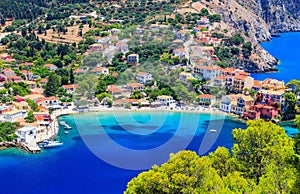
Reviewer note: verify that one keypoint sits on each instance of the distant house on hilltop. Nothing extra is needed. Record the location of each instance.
(133, 59)
(144, 77)
(101, 70)
(50, 67)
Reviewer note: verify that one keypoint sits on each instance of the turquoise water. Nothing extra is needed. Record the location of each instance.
(286, 49)
(74, 168)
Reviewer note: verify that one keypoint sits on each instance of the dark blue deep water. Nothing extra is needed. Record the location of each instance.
(74, 168)
(286, 49)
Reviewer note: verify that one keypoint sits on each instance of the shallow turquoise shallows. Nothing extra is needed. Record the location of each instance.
(74, 168)
(285, 48)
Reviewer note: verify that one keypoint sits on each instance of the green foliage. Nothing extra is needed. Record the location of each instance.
(33, 105)
(214, 18)
(236, 40)
(294, 85)
(261, 162)
(204, 12)
(290, 106)
(259, 147)
(136, 94)
(30, 117)
(7, 131)
(101, 96)
(178, 175)
(53, 85)
(20, 88)
(247, 49)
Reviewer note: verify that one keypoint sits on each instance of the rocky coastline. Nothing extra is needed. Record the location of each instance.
(5, 145)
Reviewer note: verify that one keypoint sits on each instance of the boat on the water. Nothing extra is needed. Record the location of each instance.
(66, 132)
(52, 144)
(213, 131)
(63, 123)
(67, 127)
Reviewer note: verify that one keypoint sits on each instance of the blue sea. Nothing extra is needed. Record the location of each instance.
(286, 49)
(88, 161)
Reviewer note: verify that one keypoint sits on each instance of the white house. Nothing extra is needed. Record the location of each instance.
(207, 99)
(50, 67)
(13, 115)
(101, 70)
(123, 47)
(208, 72)
(144, 78)
(180, 52)
(166, 100)
(26, 134)
(185, 76)
(228, 102)
(133, 58)
(71, 88)
(48, 101)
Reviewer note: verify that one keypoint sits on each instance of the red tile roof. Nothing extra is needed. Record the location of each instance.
(207, 96)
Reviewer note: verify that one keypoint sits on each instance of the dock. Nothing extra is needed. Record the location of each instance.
(31, 147)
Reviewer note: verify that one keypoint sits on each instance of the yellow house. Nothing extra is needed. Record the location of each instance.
(20, 105)
(240, 82)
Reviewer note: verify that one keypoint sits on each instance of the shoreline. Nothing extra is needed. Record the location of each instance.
(190, 110)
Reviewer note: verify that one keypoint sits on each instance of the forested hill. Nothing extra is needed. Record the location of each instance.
(30, 9)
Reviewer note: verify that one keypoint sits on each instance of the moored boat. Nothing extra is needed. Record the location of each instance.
(52, 144)
(213, 131)
(67, 127)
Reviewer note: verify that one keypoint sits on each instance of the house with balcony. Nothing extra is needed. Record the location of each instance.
(229, 102)
(261, 111)
(13, 115)
(123, 47)
(115, 91)
(8, 72)
(179, 52)
(71, 88)
(185, 77)
(26, 134)
(51, 67)
(31, 84)
(27, 74)
(240, 82)
(48, 101)
(144, 77)
(133, 59)
(273, 85)
(208, 72)
(23, 105)
(166, 100)
(206, 99)
(269, 96)
(135, 86)
(219, 81)
(243, 104)
(101, 71)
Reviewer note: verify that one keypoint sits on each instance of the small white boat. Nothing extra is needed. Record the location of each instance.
(63, 123)
(67, 127)
(52, 144)
(66, 132)
(213, 131)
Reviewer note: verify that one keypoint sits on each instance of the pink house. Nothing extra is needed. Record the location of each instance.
(262, 111)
